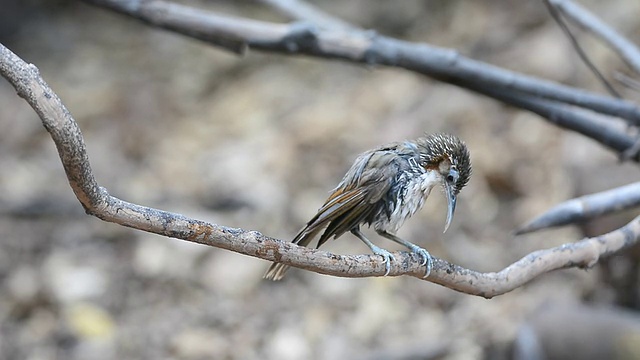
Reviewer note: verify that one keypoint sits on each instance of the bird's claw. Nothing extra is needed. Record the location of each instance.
(429, 266)
(387, 257)
(426, 259)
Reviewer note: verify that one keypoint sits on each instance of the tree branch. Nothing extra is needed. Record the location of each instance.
(97, 202)
(363, 47)
(586, 207)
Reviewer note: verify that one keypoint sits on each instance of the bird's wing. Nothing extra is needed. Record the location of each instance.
(337, 206)
(368, 168)
(351, 203)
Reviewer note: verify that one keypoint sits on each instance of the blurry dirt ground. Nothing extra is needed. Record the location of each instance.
(257, 142)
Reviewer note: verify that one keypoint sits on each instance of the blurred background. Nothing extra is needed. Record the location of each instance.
(257, 142)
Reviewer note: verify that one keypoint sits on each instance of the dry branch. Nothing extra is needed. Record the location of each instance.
(586, 207)
(365, 47)
(97, 202)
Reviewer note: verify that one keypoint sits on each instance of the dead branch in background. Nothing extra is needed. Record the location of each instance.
(367, 47)
(585, 208)
(578, 110)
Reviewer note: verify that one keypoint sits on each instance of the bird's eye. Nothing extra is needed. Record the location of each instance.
(452, 176)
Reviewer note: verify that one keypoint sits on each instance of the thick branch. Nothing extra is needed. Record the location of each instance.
(66, 134)
(586, 207)
(362, 47)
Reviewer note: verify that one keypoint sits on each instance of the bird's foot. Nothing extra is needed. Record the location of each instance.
(426, 258)
(386, 255)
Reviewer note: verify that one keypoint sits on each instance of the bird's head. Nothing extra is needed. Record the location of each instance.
(448, 157)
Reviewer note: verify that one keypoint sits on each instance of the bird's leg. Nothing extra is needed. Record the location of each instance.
(426, 257)
(376, 250)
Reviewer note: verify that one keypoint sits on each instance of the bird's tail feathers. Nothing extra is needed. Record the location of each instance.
(277, 270)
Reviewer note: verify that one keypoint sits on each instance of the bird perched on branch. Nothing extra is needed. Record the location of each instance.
(383, 188)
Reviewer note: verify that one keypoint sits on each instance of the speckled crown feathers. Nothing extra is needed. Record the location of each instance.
(435, 147)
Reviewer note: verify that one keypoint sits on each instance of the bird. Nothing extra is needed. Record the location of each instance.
(383, 188)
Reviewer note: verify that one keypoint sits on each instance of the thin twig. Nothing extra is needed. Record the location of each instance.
(627, 81)
(581, 53)
(363, 47)
(97, 202)
(627, 50)
(586, 207)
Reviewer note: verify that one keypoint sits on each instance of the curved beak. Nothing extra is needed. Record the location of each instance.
(451, 202)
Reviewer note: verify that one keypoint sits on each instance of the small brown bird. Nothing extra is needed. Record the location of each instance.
(383, 188)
